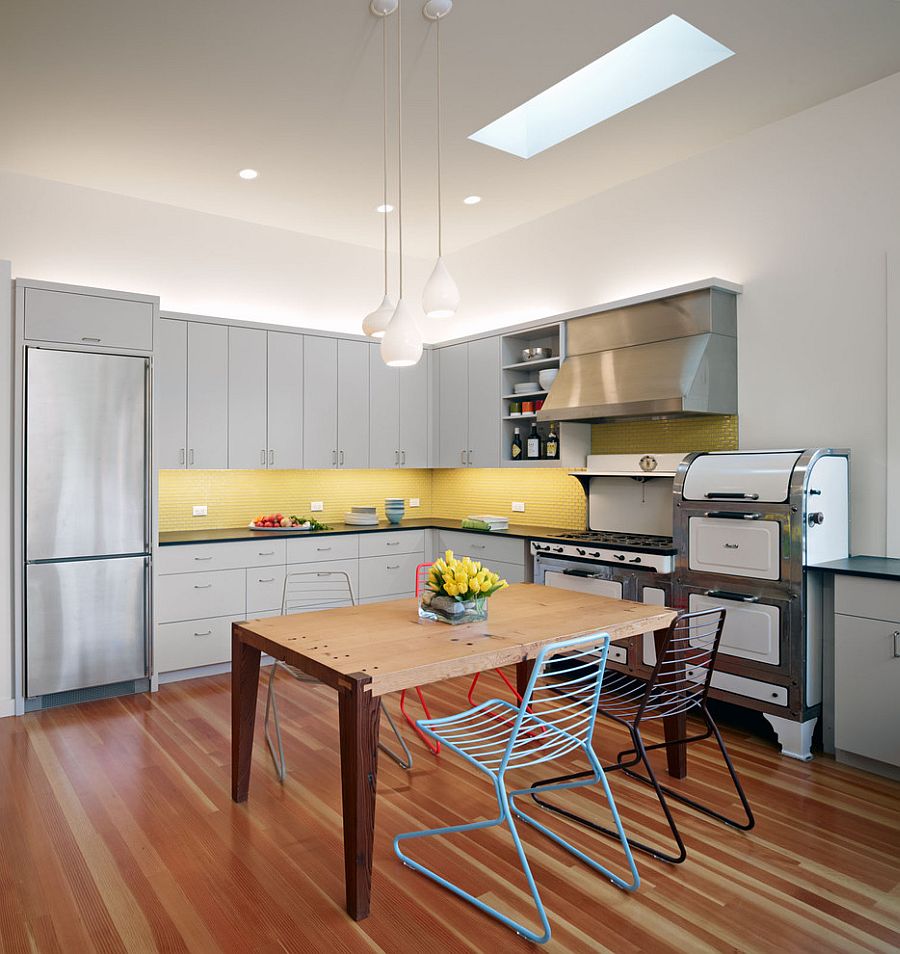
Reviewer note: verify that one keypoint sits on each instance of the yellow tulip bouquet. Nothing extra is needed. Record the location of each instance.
(457, 590)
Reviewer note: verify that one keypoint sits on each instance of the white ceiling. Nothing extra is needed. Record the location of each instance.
(167, 100)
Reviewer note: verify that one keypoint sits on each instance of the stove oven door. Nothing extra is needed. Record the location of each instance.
(736, 543)
(756, 637)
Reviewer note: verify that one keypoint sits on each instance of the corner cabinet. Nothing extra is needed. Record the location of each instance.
(399, 410)
(468, 385)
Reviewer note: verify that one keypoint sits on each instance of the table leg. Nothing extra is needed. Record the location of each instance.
(523, 674)
(359, 712)
(244, 688)
(674, 727)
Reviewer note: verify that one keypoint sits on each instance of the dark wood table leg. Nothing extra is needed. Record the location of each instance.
(674, 727)
(359, 712)
(244, 689)
(523, 674)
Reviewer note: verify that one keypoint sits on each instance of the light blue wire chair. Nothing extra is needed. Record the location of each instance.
(555, 718)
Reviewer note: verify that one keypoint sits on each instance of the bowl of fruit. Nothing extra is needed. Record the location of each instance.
(278, 521)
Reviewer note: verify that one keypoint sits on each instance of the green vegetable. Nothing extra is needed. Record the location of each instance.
(313, 523)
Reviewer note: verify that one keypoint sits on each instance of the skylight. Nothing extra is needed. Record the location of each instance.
(664, 55)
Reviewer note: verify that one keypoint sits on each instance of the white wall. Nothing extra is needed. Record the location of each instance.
(804, 213)
(7, 341)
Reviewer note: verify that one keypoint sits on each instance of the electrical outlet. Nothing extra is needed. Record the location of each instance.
(316, 506)
(518, 506)
(199, 511)
(413, 502)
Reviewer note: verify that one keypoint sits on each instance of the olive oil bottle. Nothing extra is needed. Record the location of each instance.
(516, 449)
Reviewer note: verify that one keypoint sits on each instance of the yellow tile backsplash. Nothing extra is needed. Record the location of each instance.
(552, 498)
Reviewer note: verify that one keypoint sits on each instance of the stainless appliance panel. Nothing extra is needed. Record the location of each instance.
(86, 455)
(86, 623)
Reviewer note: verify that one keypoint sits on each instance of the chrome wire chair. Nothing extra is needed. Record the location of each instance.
(556, 718)
(303, 592)
(679, 684)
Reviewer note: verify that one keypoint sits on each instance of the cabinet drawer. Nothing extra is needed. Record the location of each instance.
(201, 595)
(398, 541)
(392, 575)
(265, 587)
(88, 319)
(302, 575)
(483, 547)
(317, 549)
(735, 547)
(201, 642)
(235, 555)
(863, 596)
(751, 630)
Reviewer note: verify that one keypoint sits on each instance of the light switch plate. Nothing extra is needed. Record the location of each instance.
(199, 511)
(316, 506)
(413, 502)
(518, 506)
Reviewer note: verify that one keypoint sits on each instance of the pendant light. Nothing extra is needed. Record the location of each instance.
(376, 322)
(401, 345)
(440, 298)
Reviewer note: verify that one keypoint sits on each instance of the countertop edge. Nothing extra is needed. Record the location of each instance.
(876, 567)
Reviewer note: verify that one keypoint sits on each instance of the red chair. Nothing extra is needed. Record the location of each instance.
(435, 747)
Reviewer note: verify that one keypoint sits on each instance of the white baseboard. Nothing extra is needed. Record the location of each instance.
(199, 672)
(7, 708)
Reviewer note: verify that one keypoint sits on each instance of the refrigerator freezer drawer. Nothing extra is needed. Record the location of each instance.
(88, 319)
(85, 624)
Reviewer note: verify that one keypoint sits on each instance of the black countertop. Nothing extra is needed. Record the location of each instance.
(518, 531)
(882, 568)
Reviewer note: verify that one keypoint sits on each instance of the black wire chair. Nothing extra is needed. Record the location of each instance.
(686, 659)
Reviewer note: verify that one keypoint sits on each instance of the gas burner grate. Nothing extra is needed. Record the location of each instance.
(599, 538)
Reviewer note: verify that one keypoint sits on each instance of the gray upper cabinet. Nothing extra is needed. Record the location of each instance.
(170, 394)
(207, 395)
(414, 413)
(353, 403)
(453, 388)
(484, 391)
(53, 315)
(384, 411)
(468, 392)
(247, 394)
(320, 405)
(285, 400)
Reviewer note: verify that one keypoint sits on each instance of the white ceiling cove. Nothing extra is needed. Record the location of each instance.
(166, 101)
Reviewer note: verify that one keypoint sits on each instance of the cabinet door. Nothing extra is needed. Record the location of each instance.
(453, 409)
(414, 414)
(484, 403)
(384, 411)
(319, 402)
(353, 403)
(170, 394)
(246, 399)
(207, 395)
(285, 400)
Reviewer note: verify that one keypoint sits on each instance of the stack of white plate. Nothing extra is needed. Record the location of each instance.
(526, 387)
(495, 522)
(361, 517)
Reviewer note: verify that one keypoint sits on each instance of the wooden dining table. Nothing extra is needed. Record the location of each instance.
(365, 652)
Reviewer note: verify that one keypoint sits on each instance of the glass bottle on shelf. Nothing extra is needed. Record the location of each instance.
(516, 449)
(551, 448)
(533, 444)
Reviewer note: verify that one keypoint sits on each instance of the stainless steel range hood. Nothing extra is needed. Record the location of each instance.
(671, 357)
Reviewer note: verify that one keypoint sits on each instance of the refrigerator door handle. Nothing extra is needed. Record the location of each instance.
(148, 617)
(148, 456)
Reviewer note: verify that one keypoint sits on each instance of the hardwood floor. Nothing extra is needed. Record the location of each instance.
(119, 835)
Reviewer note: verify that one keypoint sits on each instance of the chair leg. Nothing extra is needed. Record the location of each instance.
(712, 730)
(640, 756)
(275, 750)
(406, 760)
(433, 747)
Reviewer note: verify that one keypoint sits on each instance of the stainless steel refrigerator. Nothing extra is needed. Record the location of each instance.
(87, 520)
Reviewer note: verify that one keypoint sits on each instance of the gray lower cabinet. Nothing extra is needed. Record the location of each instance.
(867, 668)
(284, 381)
(468, 388)
(207, 395)
(170, 394)
(247, 398)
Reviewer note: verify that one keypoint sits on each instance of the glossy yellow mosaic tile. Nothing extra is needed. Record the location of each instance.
(235, 497)
(552, 498)
(701, 433)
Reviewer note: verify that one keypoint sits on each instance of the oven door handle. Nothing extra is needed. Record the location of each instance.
(733, 515)
(722, 495)
(728, 595)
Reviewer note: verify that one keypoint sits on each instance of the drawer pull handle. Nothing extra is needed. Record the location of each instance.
(396, 543)
(479, 546)
(394, 566)
(205, 586)
(732, 515)
(268, 579)
(201, 559)
(92, 340)
(721, 495)
(267, 553)
(897, 643)
(727, 595)
(207, 633)
(322, 549)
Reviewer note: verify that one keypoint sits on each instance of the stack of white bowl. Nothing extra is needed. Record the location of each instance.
(394, 508)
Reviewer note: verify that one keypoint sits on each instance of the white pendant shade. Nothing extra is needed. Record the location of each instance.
(376, 322)
(440, 299)
(401, 345)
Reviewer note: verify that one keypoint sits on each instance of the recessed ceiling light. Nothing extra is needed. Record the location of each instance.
(472, 199)
(248, 173)
(664, 55)
(384, 208)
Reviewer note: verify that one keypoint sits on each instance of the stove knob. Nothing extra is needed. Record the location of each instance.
(815, 518)
(596, 553)
(618, 556)
(557, 549)
(580, 551)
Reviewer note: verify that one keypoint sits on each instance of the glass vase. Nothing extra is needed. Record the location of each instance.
(445, 609)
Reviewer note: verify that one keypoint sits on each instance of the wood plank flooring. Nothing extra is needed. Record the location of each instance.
(118, 835)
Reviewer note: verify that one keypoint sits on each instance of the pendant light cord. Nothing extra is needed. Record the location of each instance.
(400, 142)
(439, 201)
(384, 157)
